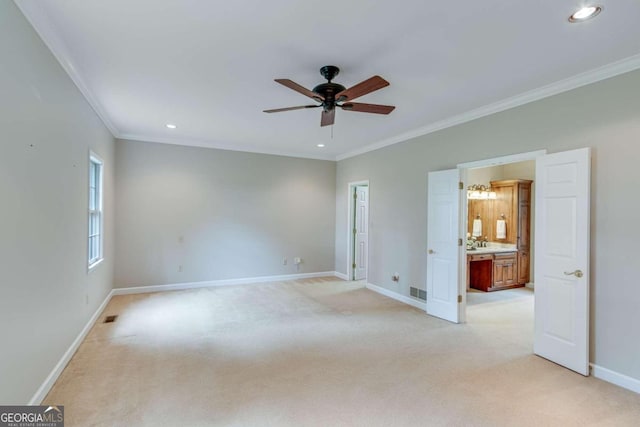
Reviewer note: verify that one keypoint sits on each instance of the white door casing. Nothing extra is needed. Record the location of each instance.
(562, 258)
(362, 232)
(442, 244)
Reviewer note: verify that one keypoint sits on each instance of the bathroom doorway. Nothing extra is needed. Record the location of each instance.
(499, 220)
(561, 311)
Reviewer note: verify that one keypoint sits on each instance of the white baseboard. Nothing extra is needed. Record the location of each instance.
(616, 378)
(66, 357)
(396, 296)
(216, 283)
(340, 275)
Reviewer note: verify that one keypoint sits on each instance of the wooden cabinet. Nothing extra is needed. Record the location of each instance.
(524, 266)
(492, 271)
(480, 271)
(504, 270)
(513, 204)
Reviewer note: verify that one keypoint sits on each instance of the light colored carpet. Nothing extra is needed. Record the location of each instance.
(322, 352)
(475, 297)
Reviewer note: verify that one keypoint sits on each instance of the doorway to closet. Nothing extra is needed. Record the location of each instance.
(358, 230)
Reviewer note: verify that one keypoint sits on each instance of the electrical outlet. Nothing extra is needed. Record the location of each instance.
(297, 260)
(284, 261)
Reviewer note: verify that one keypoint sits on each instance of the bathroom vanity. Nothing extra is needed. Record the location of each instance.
(492, 269)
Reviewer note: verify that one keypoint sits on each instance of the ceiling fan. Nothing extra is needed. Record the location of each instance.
(333, 95)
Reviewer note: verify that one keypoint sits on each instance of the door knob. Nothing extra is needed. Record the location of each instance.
(431, 251)
(577, 273)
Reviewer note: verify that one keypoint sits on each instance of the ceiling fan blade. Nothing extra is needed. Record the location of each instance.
(367, 108)
(301, 107)
(372, 84)
(328, 117)
(300, 89)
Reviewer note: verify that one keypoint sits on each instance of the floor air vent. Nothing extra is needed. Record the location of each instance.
(110, 319)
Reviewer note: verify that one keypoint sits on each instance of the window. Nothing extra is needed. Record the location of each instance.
(95, 211)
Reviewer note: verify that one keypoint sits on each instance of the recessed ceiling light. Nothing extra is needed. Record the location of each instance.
(321, 145)
(585, 13)
(170, 126)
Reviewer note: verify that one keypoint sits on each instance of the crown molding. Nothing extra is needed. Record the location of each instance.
(38, 19)
(223, 146)
(602, 73)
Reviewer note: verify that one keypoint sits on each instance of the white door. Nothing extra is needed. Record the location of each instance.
(362, 232)
(442, 244)
(562, 259)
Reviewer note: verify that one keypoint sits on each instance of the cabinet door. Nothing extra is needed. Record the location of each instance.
(498, 273)
(509, 272)
(524, 215)
(523, 267)
(504, 270)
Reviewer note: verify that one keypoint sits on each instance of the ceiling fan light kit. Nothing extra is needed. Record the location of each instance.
(332, 95)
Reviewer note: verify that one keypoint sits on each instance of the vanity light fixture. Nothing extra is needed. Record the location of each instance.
(170, 126)
(480, 192)
(585, 13)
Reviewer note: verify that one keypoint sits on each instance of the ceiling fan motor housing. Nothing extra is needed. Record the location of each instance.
(328, 91)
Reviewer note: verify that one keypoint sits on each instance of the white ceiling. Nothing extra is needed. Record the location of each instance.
(208, 66)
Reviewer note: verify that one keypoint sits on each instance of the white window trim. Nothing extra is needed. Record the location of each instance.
(94, 158)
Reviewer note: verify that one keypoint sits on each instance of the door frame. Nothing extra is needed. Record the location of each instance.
(464, 167)
(350, 225)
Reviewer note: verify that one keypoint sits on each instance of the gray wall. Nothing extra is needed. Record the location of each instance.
(518, 170)
(604, 116)
(46, 294)
(219, 214)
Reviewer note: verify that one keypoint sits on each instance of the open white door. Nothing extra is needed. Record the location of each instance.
(442, 244)
(362, 232)
(562, 258)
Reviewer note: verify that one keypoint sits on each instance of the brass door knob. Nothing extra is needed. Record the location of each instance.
(431, 251)
(577, 273)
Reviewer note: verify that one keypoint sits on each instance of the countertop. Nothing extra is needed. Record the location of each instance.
(490, 250)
